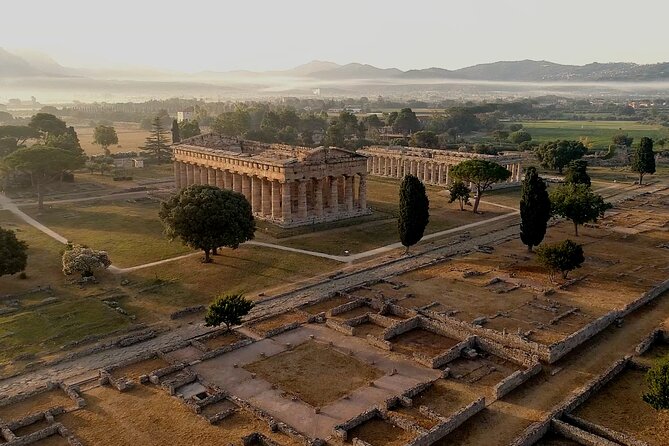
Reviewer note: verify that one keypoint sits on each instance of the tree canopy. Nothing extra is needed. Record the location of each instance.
(414, 213)
(43, 164)
(425, 138)
(577, 172)
(105, 136)
(480, 173)
(520, 136)
(556, 155)
(84, 260)
(657, 381)
(459, 191)
(577, 202)
(188, 129)
(535, 209)
(48, 124)
(13, 253)
(564, 256)
(156, 142)
(643, 159)
(206, 217)
(227, 309)
(406, 122)
(21, 133)
(622, 139)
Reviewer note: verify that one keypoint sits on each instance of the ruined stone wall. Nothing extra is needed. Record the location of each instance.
(603, 432)
(284, 328)
(453, 422)
(341, 328)
(515, 379)
(442, 359)
(401, 327)
(343, 308)
(648, 341)
(341, 430)
(579, 435)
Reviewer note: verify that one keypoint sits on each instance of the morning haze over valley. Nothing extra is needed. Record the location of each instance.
(334, 224)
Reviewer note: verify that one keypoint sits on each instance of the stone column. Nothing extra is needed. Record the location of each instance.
(302, 200)
(348, 193)
(426, 173)
(256, 194)
(362, 192)
(286, 200)
(183, 175)
(266, 197)
(189, 175)
(237, 182)
(220, 182)
(318, 191)
(334, 195)
(519, 172)
(227, 179)
(177, 175)
(196, 174)
(211, 176)
(246, 187)
(434, 172)
(204, 175)
(370, 164)
(276, 200)
(448, 168)
(440, 168)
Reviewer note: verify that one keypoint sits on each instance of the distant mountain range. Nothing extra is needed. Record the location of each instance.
(31, 64)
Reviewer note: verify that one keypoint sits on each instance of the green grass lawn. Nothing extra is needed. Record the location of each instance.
(600, 133)
(129, 230)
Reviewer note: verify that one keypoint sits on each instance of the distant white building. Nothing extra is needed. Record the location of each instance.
(185, 116)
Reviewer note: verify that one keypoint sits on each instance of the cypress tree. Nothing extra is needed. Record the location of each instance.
(414, 211)
(535, 209)
(643, 160)
(175, 132)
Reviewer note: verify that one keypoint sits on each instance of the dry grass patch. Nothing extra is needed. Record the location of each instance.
(271, 323)
(314, 372)
(378, 432)
(445, 397)
(134, 371)
(37, 403)
(222, 340)
(148, 416)
(325, 305)
(422, 341)
(620, 401)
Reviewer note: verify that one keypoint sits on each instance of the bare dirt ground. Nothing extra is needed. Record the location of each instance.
(378, 432)
(422, 341)
(482, 372)
(445, 397)
(134, 371)
(54, 440)
(121, 419)
(315, 373)
(619, 402)
(325, 305)
(266, 325)
(42, 401)
(222, 340)
(553, 439)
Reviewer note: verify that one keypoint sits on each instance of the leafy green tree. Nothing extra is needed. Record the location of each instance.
(535, 209)
(67, 141)
(105, 136)
(414, 211)
(13, 253)
(206, 217)
(459, 191)
(7, 146)
(557, 154)
(577, 173)
(643, 159)
(577, 202)
(156, 142)
(343, 129)
(235, 123)
(48, 124)
(500, 135)
(188, 129)
(392, 117)
(21, 133)
(176, 137)
(425, 138)
(621, 139)
(372, 122)
(657, 380)
(406, 122)
(84, 260)
(43, 164)
(519, 137)
(515, 127)
(100, 164)
(482, 174)
(227, 309)
(564, 256)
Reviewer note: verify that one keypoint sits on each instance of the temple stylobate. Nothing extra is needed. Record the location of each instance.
(288, 185)
(432, 166)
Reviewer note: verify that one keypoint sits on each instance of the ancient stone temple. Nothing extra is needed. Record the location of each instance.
(432, 166)
(288, 185)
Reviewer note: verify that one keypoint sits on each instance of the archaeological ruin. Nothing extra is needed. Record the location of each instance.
(432, 166)
(287, 185)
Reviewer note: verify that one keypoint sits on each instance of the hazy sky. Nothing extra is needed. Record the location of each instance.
(196, 35)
